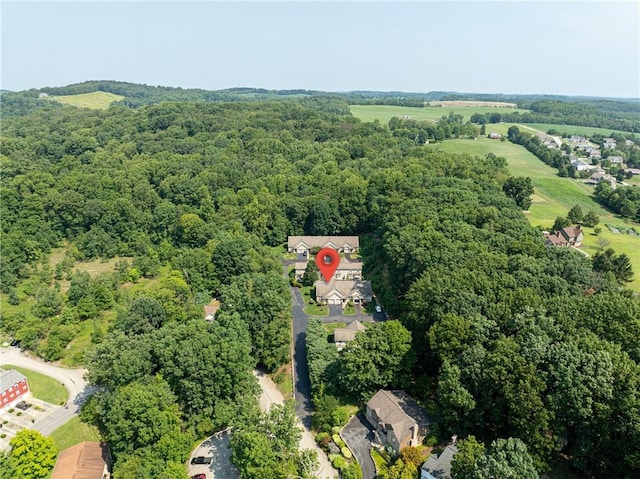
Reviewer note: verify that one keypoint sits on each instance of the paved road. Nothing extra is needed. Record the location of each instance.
(271, 395)
(301, 383)
(358, 435)
(72, 379)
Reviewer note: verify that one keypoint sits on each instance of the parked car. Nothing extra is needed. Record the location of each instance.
(23, 405)
(201, 460)
(15, 342)
(199, 476)
(378, 309)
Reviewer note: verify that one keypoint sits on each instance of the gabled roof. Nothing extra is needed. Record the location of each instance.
(439, 467)
(348, 333)
(86, 460)
(9, 377)
(344, 288)
(324, 241)
(571, 232)
(398, 411)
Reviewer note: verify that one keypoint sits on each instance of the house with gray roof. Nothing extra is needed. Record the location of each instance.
(343, 292)
(439, 466)
(342, 244)
(398, 420)
(342, 336)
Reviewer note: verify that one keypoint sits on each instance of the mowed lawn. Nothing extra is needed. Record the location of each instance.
(74, 432)
(43, 387)
(383, 113)
(554, 196)
(99, 100)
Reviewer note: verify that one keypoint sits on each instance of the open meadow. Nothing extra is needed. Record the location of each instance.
(99, 100)
(383, 113)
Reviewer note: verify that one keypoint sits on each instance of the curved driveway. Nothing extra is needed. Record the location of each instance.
(71, 379)
(358, 435)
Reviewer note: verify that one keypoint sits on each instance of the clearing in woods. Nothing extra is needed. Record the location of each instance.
(99, 100)
(383, 113)
(472, 103)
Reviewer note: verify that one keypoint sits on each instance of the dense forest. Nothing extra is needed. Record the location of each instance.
(517, 344)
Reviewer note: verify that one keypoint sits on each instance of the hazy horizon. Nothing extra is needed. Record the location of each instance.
(521, 48)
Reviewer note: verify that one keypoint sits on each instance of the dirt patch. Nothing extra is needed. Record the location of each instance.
(470, 103)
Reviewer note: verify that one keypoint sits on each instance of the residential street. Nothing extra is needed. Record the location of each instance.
(72, 379)
(301, 383)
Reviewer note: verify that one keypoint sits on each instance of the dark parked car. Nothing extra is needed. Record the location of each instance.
(199, 476)
(15, 342)
(23, 405)
(201, 460)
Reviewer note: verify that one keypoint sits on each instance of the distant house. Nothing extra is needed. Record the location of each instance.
(87, 460)
(608, 143)
(343, 292)
(598, 177)
(633, 171)
(494, 136)
(439, 467)
(211, 309)
(577, 139)
(342, 336)
(595, 154)
(566, 237)
(581, 165)
(347, 270)
(628, 143)
(615, 160)
(14, 387)
(398, 420)
(342, 244)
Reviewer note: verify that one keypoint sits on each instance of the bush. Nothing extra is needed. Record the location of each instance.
(346, 452)
(338, 440)
(11, 410)
(3, 435)
(339, 462)
(431, 441)
(323, 439)
(335, 430)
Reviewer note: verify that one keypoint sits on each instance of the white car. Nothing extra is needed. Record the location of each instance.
(378, 309)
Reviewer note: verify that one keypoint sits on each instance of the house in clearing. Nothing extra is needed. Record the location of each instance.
(210, 310)
(342, 336)
(346, 269)
(343, 292)
(566, 237)
(342, 244)
(87, 460)
(439, 466)
(14, 387)
(398, 420)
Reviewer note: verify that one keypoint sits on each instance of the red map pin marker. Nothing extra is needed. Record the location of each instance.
(327, 261)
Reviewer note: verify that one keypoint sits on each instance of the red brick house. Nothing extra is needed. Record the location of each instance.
(13, 388)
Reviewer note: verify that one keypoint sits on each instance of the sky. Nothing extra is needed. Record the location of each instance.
(566, 48)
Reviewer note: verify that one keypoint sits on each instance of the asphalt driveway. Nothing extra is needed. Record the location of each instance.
(358, 435)
(217, 447)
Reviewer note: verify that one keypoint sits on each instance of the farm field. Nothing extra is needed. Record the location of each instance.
(99, 100)
(383, 113)
(554, 196)
(575, 129)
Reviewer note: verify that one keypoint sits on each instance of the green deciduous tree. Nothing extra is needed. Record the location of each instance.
(520, 190)
(32, 455)
(379, 357)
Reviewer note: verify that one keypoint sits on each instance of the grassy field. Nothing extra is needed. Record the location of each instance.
(554, 196)
(43, 387)
(574, 129)
(74, 432)
(99, 100)
(384, 113)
